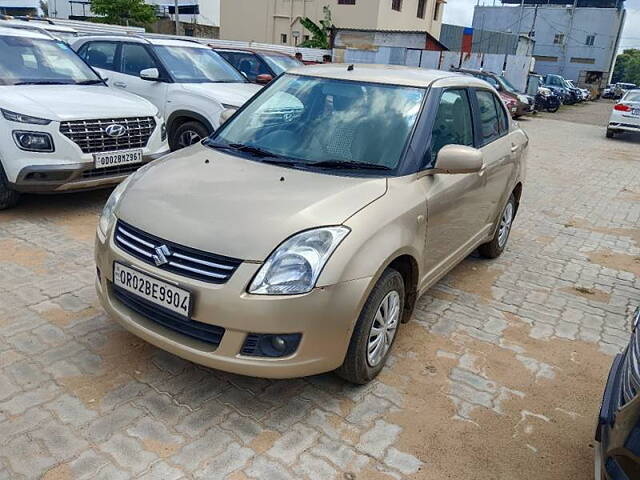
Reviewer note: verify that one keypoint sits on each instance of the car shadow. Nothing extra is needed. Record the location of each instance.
(53, 206)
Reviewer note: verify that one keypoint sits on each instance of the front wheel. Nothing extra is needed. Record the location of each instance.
(375, 331)
(8, 198)
(553, 106)
(498, 243)
(187, 134)
(610, 133)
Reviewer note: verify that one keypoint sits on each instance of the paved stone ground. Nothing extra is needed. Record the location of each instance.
(498, 376)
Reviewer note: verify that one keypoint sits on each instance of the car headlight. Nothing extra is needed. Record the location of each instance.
(294, 267)
(20, 118)
(107, 217)
(33, 141)
(523, 99)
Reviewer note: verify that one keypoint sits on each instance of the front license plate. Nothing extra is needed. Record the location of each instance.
(115, 159)
(149, 288)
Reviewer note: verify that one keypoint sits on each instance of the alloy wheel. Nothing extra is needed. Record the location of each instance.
(188, 138)
(505, 225)
(383, 329)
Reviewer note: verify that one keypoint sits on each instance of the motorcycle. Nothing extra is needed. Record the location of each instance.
(547, 100)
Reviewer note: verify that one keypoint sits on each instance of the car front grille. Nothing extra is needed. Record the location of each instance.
(91, 137)
(630, 376)
(211, 334)
(111, 171)
(169, 256)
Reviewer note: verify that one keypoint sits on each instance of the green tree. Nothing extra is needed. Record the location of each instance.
(319, 31)
(123, 12)
(627, 67)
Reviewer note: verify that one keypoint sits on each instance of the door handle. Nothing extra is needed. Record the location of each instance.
(120, 84)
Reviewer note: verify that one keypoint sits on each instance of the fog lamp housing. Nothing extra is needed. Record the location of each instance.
(271, 345)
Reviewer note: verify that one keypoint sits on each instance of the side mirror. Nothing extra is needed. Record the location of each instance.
(457, 159)
(264, 79)
(150, 74)
(226, 114)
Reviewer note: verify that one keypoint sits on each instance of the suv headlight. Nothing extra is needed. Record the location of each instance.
(20, 118)
(294, 267)
(107, 217)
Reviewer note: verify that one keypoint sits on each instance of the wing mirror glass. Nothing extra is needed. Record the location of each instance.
(457, 159)
(226, 115)
(150, 74)
(264, 78)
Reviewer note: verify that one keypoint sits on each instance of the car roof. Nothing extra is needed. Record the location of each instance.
(249, 50)
(148, 40)
(22, 32)
(387, 74)
(32, 25)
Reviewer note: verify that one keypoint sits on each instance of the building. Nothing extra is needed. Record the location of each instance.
(20, 7)
(468, 39)
(201, 12)
(278, 21)
(578, 41)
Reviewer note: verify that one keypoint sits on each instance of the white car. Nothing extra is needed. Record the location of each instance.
(189, 83)
(61, 127)
(46, 26)
(626, 114)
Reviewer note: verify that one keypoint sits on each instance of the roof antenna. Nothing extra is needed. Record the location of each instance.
(350, 68)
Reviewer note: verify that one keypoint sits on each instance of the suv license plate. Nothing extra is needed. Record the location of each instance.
(115, 159)
(151, 289)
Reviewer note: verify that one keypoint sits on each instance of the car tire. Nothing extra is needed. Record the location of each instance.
(187, 134)
(498, 243)
(8, 198)
(610, 133)
(363, 361)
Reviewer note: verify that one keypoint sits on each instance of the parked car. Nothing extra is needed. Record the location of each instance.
(61, 127)
(189, 83)
(560, 87)
(625, 116)
(510, 103)
(618, 430)
(259, 66)
(608, 92)
(526, 103)
(620, 88)
(315, 217)
(42, 25)
(583, 93)
(547, 100)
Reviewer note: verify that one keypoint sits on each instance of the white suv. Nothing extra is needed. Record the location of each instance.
(189, 83)
(61, 127)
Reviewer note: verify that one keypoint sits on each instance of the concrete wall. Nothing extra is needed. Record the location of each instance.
(268, 20)
(168, 27)
(572, 57)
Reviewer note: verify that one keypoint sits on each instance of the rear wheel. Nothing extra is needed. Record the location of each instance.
(610, 133)
(8, 198)
(187, 134)
(498, 243)
(375, 331)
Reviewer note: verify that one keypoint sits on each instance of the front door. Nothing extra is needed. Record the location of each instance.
(456, 213)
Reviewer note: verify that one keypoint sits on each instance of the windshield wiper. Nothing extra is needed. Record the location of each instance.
(90, 82)
(346, 164)
(264, 155)
(44, 82)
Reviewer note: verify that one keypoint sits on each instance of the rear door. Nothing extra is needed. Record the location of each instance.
(500, 150)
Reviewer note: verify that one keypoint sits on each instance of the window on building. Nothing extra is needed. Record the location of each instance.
(436, 10)
(545, 58)
(558, 39)
(283, 38)
(591, 40)
(306, 38)
(590, 61)
(346, 2)
(421, 8)
(396, 5)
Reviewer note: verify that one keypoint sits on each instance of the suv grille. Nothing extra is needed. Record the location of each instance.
(211, 334)
(91, 137)
(185, 261)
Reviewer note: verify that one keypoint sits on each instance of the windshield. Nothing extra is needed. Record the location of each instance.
(627, 86)
(310, 120)
(197, 65)
(507, 85)
(280, 63)
(37, 61)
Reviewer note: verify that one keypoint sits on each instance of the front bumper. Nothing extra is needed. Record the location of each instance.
(325, 317)
(525, 109)
(74, 177)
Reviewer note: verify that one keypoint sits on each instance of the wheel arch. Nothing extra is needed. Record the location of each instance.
(178, 117)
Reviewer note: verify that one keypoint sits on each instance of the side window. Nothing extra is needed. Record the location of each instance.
(135, 58)
(100, 54)
(453, 124)
(489, 120)
(250, 65)
(503, 119)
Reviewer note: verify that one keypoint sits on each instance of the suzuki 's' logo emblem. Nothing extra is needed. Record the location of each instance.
(162, 252)
(115, 130)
